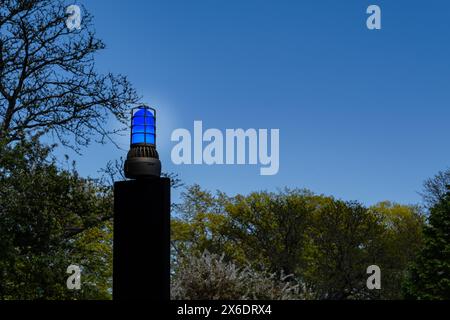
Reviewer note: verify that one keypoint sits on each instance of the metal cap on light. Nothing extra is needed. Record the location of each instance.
(143, 159)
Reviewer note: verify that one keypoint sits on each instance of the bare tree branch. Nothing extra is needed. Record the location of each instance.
(48, 80)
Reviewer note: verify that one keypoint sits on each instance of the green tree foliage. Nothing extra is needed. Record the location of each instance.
(430, 275)
(51, 218)
(344, 239)
(326, 244)
(398, 243)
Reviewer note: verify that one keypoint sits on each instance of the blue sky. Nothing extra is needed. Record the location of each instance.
(363, 115)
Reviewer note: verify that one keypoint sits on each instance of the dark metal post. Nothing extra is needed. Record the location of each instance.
(142, 239)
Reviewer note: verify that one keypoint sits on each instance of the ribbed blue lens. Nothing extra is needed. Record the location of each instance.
(143, 127)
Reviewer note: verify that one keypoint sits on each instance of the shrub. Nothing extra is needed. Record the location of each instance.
(209, 277)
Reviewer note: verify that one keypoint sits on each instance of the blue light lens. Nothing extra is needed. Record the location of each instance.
(143, 127)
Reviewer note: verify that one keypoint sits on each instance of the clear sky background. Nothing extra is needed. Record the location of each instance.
(363, 115)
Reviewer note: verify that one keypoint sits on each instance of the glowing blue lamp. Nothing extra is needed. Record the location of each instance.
(143, 126)
(143, 159)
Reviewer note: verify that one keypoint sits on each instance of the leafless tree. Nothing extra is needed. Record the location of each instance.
(48, 80)
(435, 189)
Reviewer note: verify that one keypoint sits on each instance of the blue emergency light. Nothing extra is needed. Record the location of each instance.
(143, 159)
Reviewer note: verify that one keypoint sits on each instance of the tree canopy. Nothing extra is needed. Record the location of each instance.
(51, 218)
(429, 277)
(325, 243)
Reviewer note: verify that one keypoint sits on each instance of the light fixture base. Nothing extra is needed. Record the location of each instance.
(142, 168)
